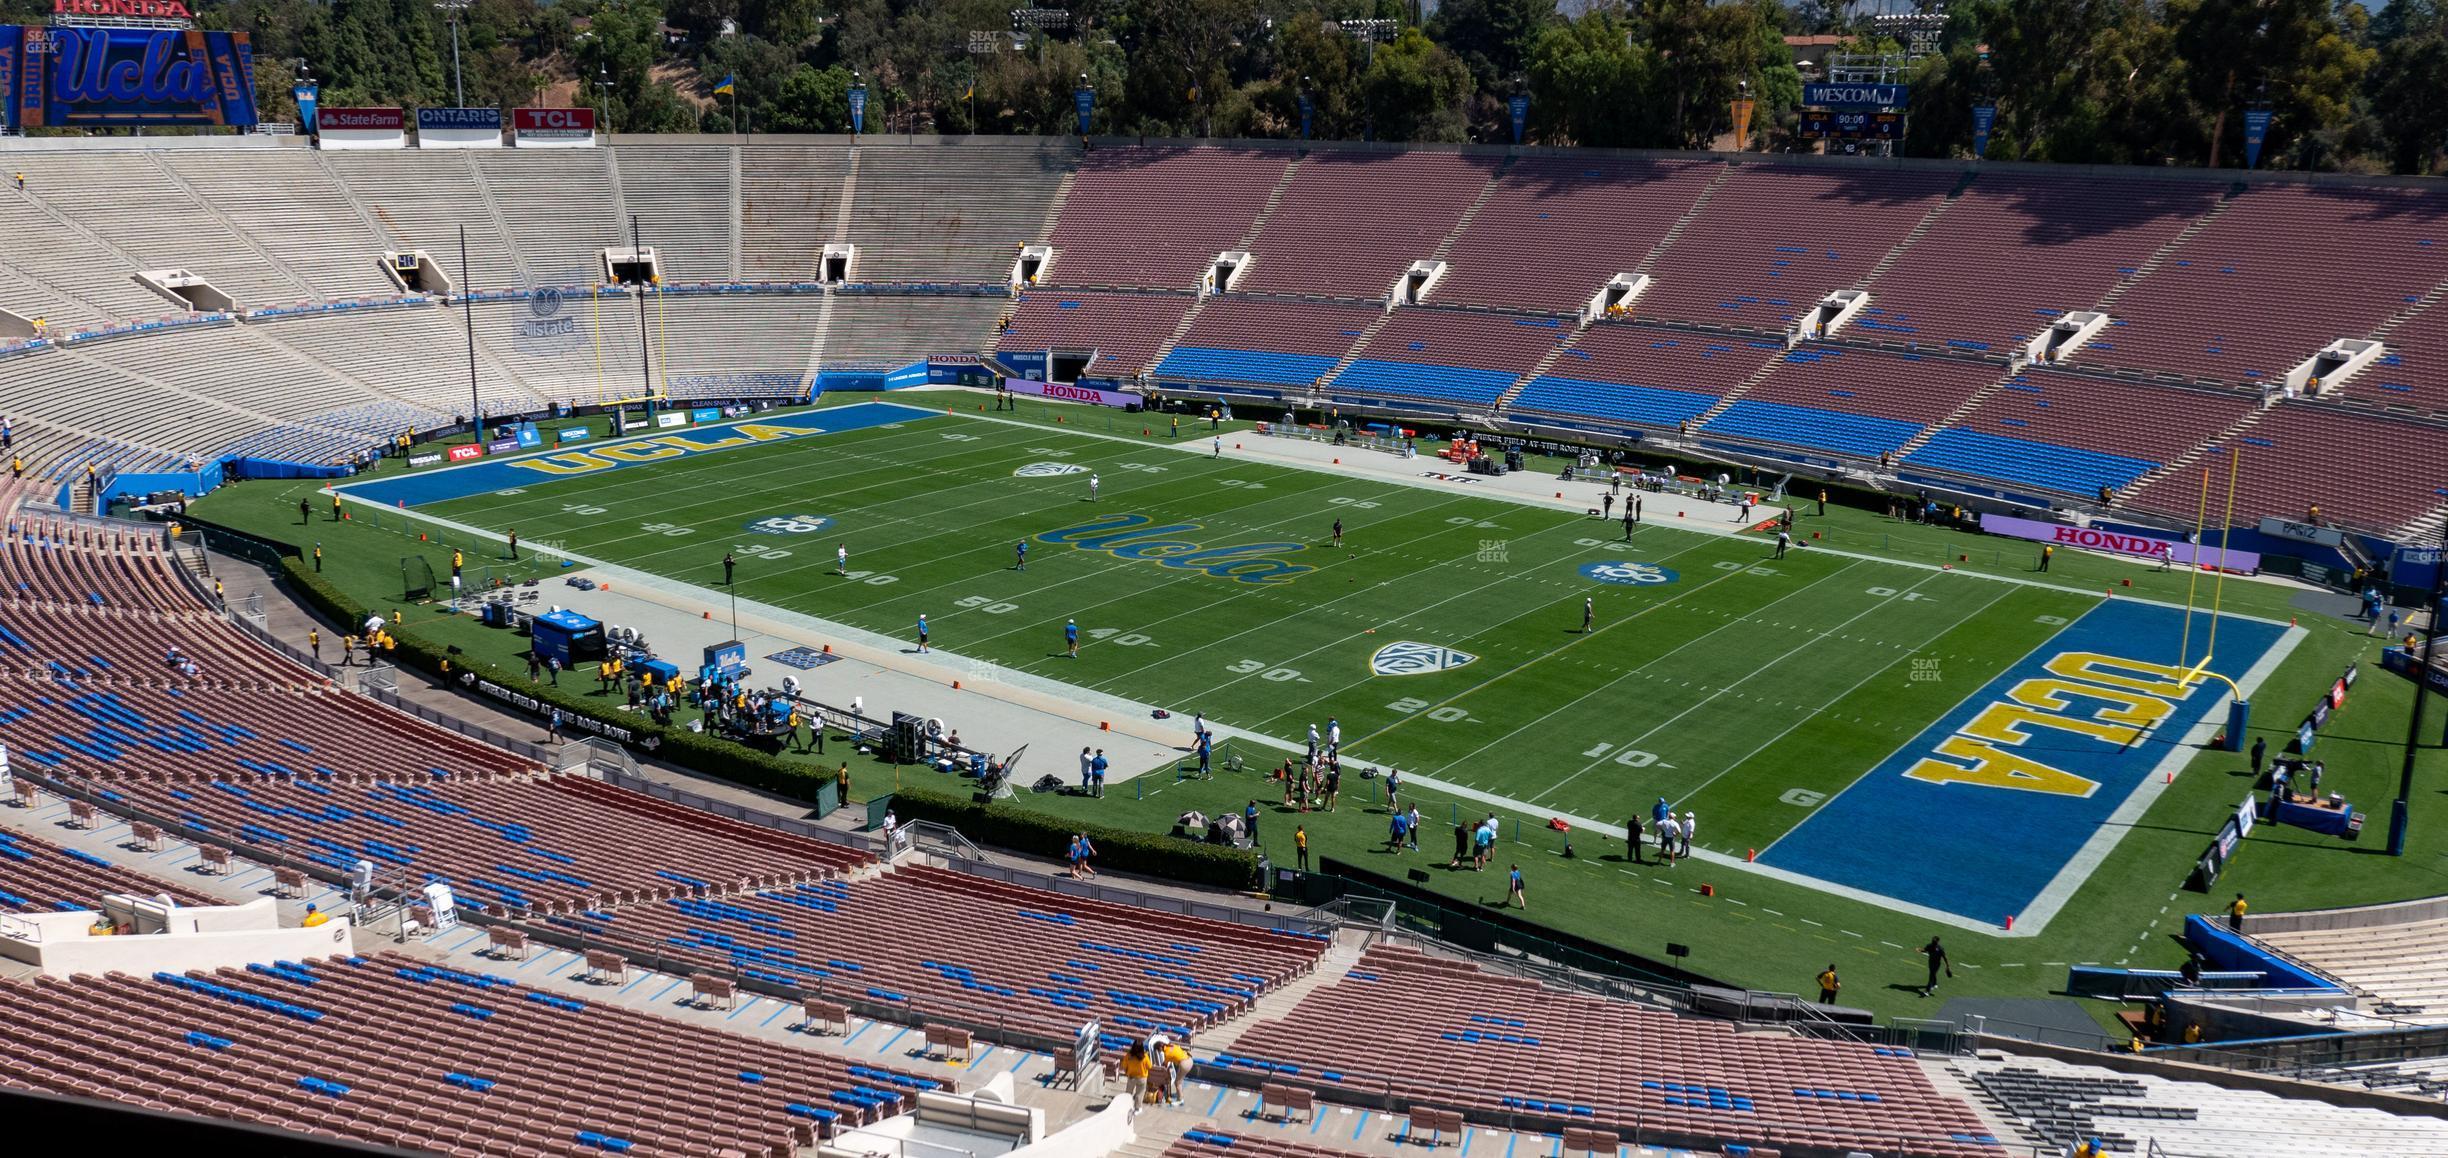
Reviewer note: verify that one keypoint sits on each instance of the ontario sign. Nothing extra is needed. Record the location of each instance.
(67, 75)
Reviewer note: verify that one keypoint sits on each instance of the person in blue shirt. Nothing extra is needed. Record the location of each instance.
(1096, 774)
(1071, 636)
(1517, 895)
(922, 633)
(1397, 829)
(1206, 749)
(1249, 812)
(1020, 553)
(1660, 811)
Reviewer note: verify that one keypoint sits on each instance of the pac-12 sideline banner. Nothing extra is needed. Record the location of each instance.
(2119, 543)
(1070, 393)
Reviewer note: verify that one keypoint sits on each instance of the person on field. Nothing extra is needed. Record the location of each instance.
(1937, 962)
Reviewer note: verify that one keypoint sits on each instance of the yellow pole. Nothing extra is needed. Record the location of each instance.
(662, 345)
(2184, 645)
(2218, 587)
(595, 322)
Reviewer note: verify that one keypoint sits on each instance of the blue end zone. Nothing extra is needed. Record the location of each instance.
(493, 474)
(1982, 810)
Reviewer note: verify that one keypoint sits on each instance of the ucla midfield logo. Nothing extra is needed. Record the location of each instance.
(1131, 537)
(1411, 658)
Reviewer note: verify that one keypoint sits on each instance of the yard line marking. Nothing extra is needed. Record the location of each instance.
(1799, 720)
(1641, 670)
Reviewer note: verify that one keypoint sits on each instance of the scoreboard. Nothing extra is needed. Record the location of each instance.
(1851, 125)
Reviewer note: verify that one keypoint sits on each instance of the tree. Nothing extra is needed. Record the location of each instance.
(1582, 76)
(2406, 92)
(1416, 91)
(811, 100)
(1494, 38)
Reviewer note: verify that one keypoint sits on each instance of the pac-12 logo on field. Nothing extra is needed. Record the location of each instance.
(1049, 469)
(790, 524)
(1409, 658)
(1628, 574)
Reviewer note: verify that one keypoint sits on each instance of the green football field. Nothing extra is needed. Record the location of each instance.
(1700, 690)
(1446, 638)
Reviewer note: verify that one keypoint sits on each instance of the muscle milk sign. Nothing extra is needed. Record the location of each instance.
(552, 128)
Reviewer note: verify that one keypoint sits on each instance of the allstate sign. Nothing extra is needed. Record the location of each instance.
(1857, 96)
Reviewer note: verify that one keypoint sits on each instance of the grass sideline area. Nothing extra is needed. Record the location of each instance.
(1800, 677)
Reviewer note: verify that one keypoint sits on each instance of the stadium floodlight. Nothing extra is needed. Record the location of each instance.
(456, 9)
(1040, 19)
(1369, 32)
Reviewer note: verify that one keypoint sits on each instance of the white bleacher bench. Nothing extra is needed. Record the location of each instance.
(144, 836)
(1437, 1124)
(603, 966)
(1591, 1142)
(814, 1014)
(709, 991)
(214, 857)
(81, 814)
(951, 1040)
(288, 882)
(1286, 1101)
(503, 941)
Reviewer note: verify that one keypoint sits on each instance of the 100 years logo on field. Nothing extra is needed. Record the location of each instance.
(1049, 469)
(1628, 574)
(790, 524)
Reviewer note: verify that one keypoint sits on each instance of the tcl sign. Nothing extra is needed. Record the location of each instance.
(554, 122)
(146, 9)
(360, 120)
(464, 453)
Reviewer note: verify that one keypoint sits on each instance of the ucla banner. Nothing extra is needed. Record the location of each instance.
(1084, 98)
(2256, 131)
(858, 108)
(1984, 118)
(1519, 108)
(60, 76)
(1308, 107)
(306, 93)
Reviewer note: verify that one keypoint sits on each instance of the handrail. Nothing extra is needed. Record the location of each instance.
(945, 838)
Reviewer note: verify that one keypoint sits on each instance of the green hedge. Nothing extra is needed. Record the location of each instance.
(802, 781)
(1017, 827)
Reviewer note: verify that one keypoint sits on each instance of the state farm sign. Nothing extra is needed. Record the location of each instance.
(361, 120)
(553, 126)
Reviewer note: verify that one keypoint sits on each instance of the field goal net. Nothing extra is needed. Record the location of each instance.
(416, 578)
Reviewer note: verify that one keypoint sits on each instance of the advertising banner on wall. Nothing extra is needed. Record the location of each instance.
(361, 129)
(459, 128)
(552, 128)
(2117, 543)
(1068, 392)
(66, 76)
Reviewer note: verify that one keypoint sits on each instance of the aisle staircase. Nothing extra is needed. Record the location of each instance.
(1274, 201)
(1956, 415)
(1338, 961)
(2173, 244)
(1928, 221)
(1692, 213)
(1545, 363)
(1461, 225)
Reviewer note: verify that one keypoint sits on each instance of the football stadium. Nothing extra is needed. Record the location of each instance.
(528, 640)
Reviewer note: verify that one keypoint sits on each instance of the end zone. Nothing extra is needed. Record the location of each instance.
(2007, 803)
(492, 474)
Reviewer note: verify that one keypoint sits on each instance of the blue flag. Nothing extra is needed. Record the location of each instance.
(2256, 131)
(1984, 118)
(858, 109)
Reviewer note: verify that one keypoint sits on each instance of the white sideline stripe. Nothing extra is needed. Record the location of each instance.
(1704, 527)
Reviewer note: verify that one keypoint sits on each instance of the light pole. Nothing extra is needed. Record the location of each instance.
(455, 8)
(603, 96)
